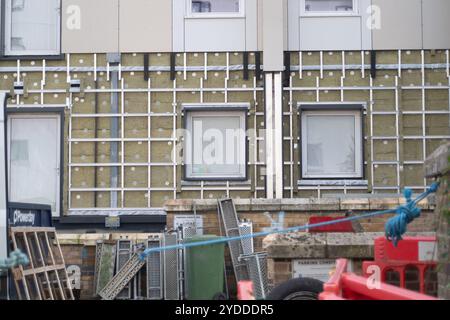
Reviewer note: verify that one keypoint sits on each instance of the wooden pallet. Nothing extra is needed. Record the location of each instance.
(45, 278)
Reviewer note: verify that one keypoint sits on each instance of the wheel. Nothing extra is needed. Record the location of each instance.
(297, 289)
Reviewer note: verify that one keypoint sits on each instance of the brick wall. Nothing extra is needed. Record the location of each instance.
(298, 212)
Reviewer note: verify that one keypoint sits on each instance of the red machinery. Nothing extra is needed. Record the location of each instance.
(405, 272)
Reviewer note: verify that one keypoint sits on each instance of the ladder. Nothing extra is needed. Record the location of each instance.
(122, 278)
(231, 226)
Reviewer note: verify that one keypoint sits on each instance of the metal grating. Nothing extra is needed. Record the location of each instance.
(231, 225)
(122, 278)
(171, 288)
(257, 266)
(106, 265)
(246, 228)
(124, 248)
(154, 271)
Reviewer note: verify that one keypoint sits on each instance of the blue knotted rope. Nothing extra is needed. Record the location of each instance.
(397, 226)
(15, 259)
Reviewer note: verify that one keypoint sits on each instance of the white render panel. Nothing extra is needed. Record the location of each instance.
(214, 34)
(436, 24)
(94, 30)
(145, 26)
(401, 25)
(273, 35)
(178, 13)
(330, 33)
(293, 25)
(251, 25)
(366, 31)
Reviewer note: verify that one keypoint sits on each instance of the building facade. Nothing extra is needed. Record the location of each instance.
(118, 106)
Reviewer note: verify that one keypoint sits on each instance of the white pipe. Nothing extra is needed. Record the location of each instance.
(269, 136)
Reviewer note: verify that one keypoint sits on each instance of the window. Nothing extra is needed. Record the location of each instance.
(34, 159)
(32, 27)
(227, 7)
(331, 144)
(215, 145)
(328, 6)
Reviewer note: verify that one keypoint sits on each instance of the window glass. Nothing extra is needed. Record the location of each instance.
(331, 145)
(218, 6)
(34, 161)
(328, 5)
(32, 27)
(217, 145)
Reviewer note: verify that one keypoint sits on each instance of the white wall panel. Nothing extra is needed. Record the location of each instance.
(251, 25)
(330, 33)
(293, 25)
(273, 35)
(401, 25)
(145, 26)
(178, 13)
(215, 34)
(436, 24)
(90, 26)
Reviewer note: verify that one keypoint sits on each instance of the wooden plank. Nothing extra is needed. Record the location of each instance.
(43, 261)
(32, 264)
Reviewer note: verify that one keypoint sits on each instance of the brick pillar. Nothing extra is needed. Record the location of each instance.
(437, 166)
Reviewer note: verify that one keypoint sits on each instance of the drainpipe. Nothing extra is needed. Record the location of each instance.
(114, 60)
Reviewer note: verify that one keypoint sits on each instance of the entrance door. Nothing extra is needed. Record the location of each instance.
(34, 159)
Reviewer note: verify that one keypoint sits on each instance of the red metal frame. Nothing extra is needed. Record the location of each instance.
(348, 286)
(407, 254)
(338, 227)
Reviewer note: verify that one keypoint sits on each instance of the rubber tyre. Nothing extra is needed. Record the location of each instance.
(297, 289)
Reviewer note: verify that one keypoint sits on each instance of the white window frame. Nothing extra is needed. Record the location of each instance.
(359, 162)
(7, 36)
(304, 13)
(189, 175)
(209, 15)
(53, 116)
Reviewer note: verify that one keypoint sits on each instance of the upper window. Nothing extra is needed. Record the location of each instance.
(331, 144)
(320, 7)
(215, 145)
(32, 27)
(215, 7)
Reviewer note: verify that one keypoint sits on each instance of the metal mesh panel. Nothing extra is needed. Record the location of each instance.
(122, 278)
(154, 271)
(123, 255)
(246, 228)
(170, 268)
(257, 267)
(231, 225)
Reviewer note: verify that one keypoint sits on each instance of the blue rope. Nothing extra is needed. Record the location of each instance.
(15, 259)
(397, 226)
(396, 233)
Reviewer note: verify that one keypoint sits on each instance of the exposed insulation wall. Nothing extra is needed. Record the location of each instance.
(407, 117)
